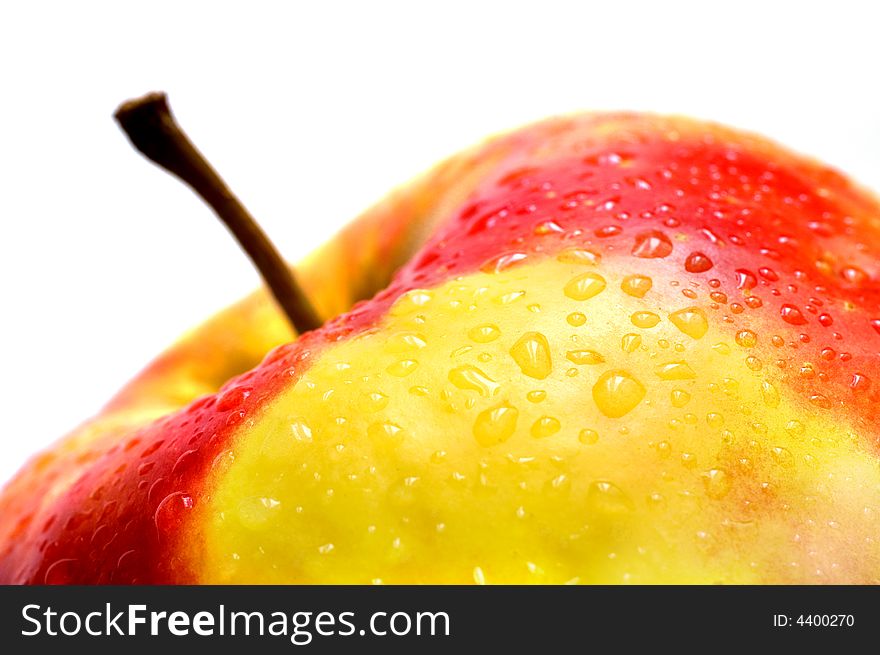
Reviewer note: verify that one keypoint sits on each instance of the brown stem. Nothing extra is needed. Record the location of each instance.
(152, 129)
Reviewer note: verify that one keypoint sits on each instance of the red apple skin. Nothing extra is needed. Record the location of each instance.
(119, 500)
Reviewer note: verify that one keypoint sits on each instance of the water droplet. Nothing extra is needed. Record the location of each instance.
(717, 483)
(496, 425)
(820, 400)
(402, 368)
(373, 401)
(792, 315)
(256, 512)
(753, 363)
(746, 338)
(537, 396)
(795, 428)
(617, 393)
(644, 319)
(768, 274)
(385, 431)
(479, 576)
(508, 298)
(607, 498)
(585, 286)
(402, 342)
(782, 456)
(714, 420)
(652, 244)
(503, 262)
(697, 262)
(578, 256)
(859, 382)
(484, 333)
(745, 279)
(545, 426)
(532, 354)
(721, 348)
(680, 398)
(410, 302)
(588, 436)
(576, 319)
(584, 357)
(691, 321)
(853, 275)
(769, 394)
(636, 285)
(607, 231)
(301, 430)
(679, 370)
(630, 342)
(470, 378)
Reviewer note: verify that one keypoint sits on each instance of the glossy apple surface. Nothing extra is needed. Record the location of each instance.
(622, 348)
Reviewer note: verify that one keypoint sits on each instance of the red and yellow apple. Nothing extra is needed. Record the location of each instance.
(603, 348)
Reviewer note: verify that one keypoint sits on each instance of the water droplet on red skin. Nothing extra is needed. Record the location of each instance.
(172, 511)
(697, 262)
(792, 315)
(745, 279)
(652, 245)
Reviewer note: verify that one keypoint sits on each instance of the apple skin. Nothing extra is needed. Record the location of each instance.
(763, 269)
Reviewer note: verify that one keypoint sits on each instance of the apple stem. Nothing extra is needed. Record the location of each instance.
(152, 129)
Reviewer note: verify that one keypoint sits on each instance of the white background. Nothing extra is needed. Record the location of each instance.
(312, 111)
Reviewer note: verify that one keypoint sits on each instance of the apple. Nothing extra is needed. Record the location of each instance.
(603, 348)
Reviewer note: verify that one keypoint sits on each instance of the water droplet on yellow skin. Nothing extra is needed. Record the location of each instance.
(769, 394)
(257, 512)
(584, 357)
(385, 431)
(630, 342)
(578, 256)
(714, 420)
(585, 286)
(405, 342)
(470, 378)
(495, 425)
(644, 319)
(508, 298)
(410, 302)
(402, 368)
(616, 393)
(301, 430)
(782, 456)
(795, 428)
(746, 338)
(536, 396)
(691, 321)
(373, 401)
(679, 370)
(546, 426)
(576, 319)
(680, 398)
(484, 333)
(607, 498)
(636, 285)
(531, 352)
(716, 483)
(588, 436)
(721, 348)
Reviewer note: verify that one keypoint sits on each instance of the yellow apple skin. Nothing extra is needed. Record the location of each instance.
(623, 348)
